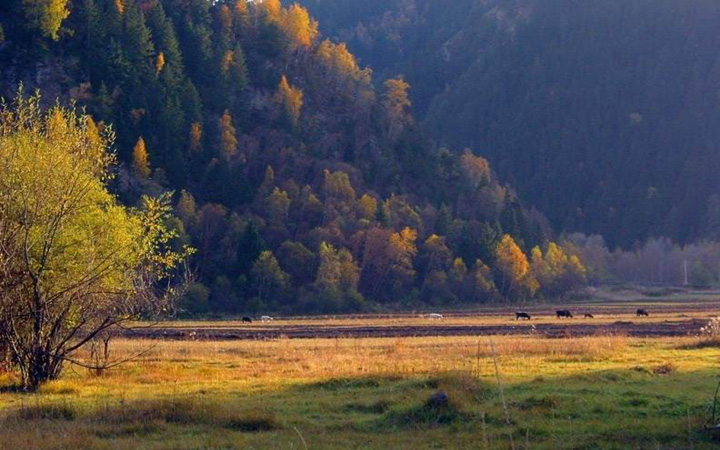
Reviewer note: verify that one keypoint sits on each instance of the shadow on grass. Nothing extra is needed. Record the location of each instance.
(602, 409)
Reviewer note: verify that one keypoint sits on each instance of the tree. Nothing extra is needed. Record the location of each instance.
(557, 272)
(269, 280)
(299, 26)
(482, 286)
(290, 99)
(396, 104)
(228, 138)
(249, 248)
(73, 262)
(196, 132)
(298, 261)
(140, 163)
(46, 15)
(514, 269)
(435, 255)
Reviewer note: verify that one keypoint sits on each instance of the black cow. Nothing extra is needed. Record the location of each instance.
(563, 313)
(589, 316)
(642, 312)
(522, 315)
(246, 319)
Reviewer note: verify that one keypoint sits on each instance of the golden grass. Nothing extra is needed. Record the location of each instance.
(195, 394)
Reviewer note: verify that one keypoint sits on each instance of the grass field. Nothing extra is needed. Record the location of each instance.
(604, 390)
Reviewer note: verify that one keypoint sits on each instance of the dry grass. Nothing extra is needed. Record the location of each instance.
(348, 392)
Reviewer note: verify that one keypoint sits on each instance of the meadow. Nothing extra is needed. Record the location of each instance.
(520, 391)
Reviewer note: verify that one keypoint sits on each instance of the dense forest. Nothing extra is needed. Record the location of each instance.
(602, 114)
(302, 184)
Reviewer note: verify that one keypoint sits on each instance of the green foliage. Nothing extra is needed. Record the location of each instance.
(73, 261)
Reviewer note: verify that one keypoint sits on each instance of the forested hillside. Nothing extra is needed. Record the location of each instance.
(602, 114)
(302, 185)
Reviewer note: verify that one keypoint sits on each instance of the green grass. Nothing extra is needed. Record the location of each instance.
(563, 393)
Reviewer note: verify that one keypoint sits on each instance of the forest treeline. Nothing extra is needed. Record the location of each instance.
(303, 183)
(601, 114)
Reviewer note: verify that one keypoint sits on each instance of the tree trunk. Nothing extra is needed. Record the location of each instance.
(37, 368)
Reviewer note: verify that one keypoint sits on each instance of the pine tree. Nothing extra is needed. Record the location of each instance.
(249, 248)
(139, 47)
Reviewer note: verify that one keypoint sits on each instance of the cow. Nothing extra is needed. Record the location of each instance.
(642, 312)
(266, 318)
(589, 316)
(522, 315)
(435, 316)
(563, 313)
(246, 319)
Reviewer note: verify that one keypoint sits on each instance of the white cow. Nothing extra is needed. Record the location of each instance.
(266, 318)
(435, 316)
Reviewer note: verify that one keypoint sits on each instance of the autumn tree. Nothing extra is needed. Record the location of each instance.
(557, 272)
(140, 162)
(387, 264)
(514, 268)
(299, 26)
(475, 170)
(46, 15)
(396, 104)
(482, 286)
(73, 262)
(228, 138)
(290, 100)
(435, 254)
(196, 133)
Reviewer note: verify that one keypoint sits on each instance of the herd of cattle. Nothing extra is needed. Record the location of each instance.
(566, 314)
(560, 314)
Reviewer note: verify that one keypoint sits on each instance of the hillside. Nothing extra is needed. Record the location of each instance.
(602, 114)
(302, 185)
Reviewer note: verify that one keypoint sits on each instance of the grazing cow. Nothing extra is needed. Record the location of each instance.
(642, 312)
(522, 315)
(589, 316)
(266, 318)
(435, 316)
(563, 313)
(246, 319)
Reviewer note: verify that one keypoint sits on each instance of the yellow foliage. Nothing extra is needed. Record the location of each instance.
(140, 163)
(159, 62)
(299, 26)
(46, 15)
(515, 268)
(228, 138)
(367, 207)
(195, 136)
(290, 99)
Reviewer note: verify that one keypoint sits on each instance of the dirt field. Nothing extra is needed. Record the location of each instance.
(667, 318)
